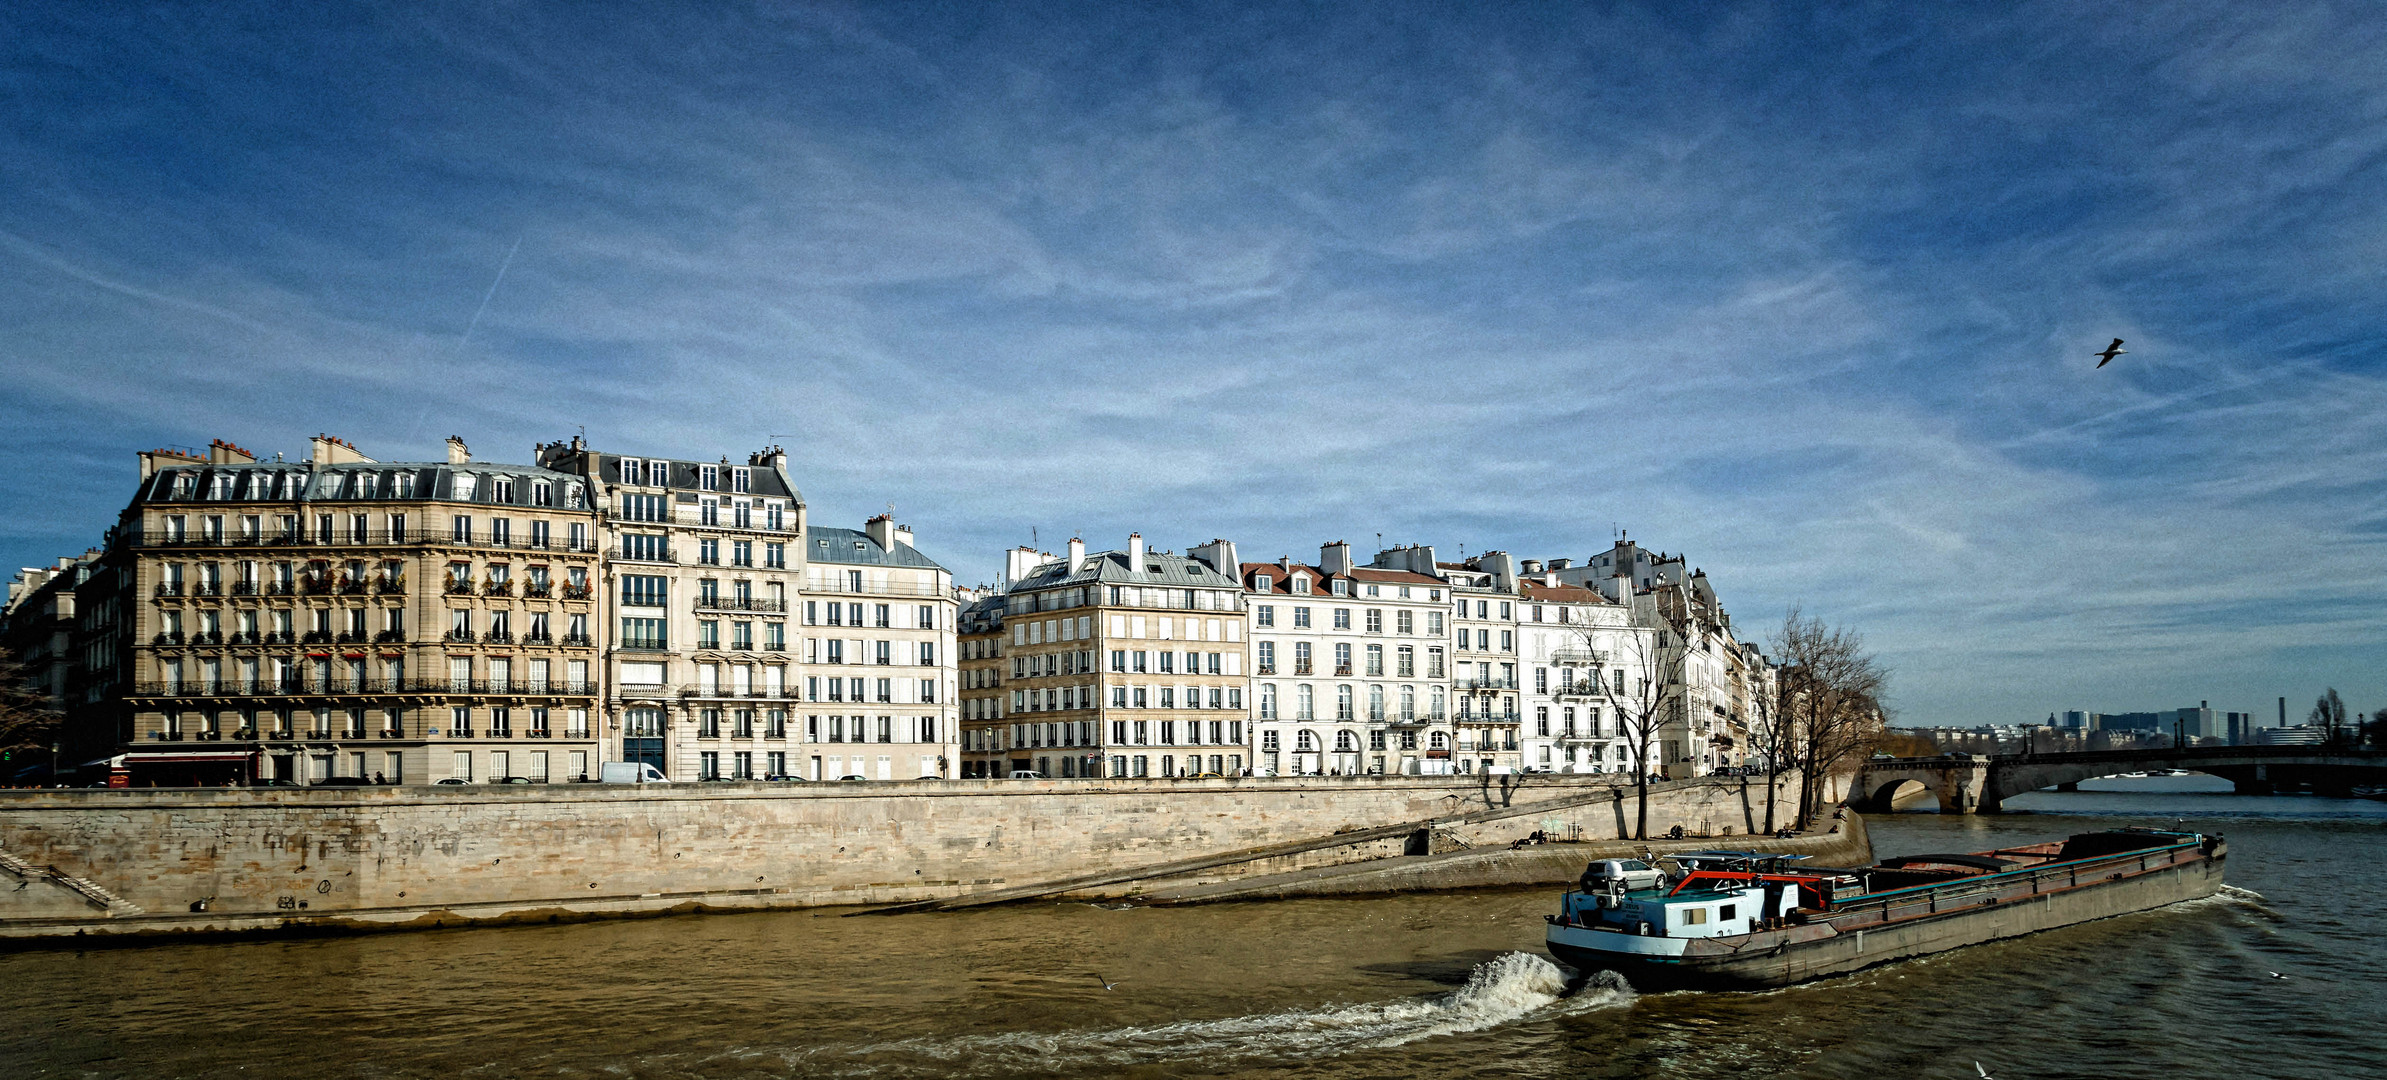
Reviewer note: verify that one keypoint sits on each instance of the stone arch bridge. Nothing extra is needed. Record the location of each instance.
(1976, 784)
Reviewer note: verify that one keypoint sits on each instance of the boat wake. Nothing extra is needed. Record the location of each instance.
(1509, 988)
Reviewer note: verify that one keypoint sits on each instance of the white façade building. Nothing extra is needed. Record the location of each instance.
(1351, 667)
(881, 681)
(1577, 649)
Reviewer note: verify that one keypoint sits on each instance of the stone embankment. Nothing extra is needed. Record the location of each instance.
(121, 863)
(1553, 863)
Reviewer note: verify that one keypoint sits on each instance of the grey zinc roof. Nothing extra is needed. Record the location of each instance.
(433, 481)
(823, 544)
(764, 479)
(1111, 568)
(982, 614)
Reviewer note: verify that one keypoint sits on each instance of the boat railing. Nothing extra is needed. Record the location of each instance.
(1897, 905)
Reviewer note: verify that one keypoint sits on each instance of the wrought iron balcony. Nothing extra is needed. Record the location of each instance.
(739, 603)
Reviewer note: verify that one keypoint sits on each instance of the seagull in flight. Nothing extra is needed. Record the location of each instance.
(2106, 357)
(2275, 975)
(1984, 1072)
(1108, 984)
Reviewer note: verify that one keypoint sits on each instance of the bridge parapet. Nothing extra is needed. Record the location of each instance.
(1967, 784)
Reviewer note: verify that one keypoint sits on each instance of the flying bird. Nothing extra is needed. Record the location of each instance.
(2110, 352)
(1984, 1072)
(1108, 984)
(2277, 975)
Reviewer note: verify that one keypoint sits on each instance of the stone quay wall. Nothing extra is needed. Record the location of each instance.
(195, 861)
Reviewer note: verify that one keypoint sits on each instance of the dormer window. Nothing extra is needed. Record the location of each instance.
(403, 485)
(1301, 584)
(709, 477)
(1262, 582)
(633, 471)
(1341, 587)
(742, 479)
(501, 489)
(461, 490)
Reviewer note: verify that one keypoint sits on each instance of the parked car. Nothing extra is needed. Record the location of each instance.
(515, 780)
(1634, 873)
(277, 782)
(1026, 774)
(785, 778)
(853, 776)
(453, 780)
(342, 781)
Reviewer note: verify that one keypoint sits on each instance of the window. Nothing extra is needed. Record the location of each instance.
(927, 617)
(1341, 587)
(741, 552)
(1262, 583)
(1342, 617)
(646, 547)
(775, 555)
(645, 590)
(741, 478)
(1264, 615)
(645, 508)
(708, 477)
(642, 633)
(1301, 617)
(708, 552)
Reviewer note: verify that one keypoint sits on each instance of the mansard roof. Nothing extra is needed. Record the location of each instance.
(1112, 568)
(302, 481)
(852, 547)
(763, 480)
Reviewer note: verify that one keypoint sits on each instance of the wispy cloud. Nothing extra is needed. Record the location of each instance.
(1806, 295)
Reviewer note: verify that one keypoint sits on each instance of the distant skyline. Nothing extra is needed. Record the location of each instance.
(1810, 294)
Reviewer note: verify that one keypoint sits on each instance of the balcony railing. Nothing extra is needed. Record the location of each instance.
(738, 603)
(577, 592)
(310, 686)
(169, 588)
(753, 692)
(874, 588)
(578, 639)
(1487, 684)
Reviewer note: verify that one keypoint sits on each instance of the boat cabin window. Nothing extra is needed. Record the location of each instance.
(1724, 914)
(1694, 916)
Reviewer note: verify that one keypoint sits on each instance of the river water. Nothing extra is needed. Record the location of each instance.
(1421, 986)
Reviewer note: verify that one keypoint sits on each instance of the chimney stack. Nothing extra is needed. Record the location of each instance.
(1219, 555)
(881, 530)
(1335, 558)
(1077, 554)
(1135, 552)
(458, 454)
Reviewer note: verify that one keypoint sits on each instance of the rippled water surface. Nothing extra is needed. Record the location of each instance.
(1427, 986)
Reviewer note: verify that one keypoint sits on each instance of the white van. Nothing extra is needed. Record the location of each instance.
(629, 772)
(1026, 774)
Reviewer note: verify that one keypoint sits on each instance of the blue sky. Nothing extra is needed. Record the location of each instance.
(1808, 293)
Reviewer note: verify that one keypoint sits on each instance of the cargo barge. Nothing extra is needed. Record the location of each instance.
(1745, 921)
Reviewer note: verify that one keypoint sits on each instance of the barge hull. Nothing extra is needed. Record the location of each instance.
(1811, 952)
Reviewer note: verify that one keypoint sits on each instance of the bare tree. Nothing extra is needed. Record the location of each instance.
(2329, 714)
(1831, 691)
(28, 720)
(1651, 691)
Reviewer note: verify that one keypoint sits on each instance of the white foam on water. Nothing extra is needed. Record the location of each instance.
(1509, 988)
